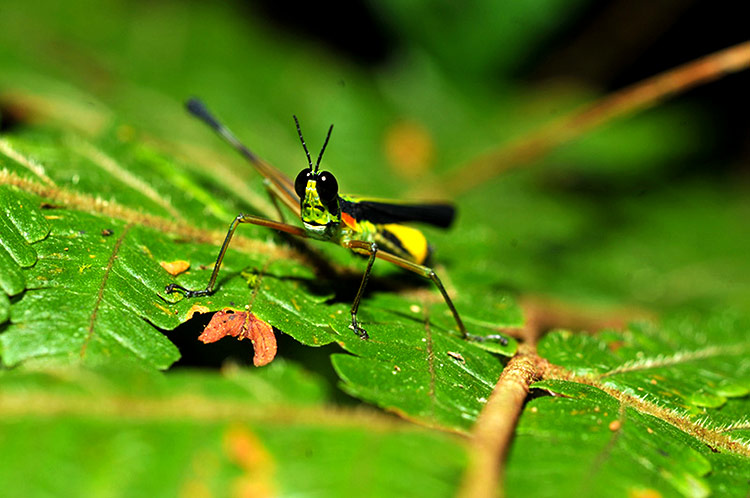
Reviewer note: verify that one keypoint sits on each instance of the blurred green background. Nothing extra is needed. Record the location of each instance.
(646, 213)
(650, 210)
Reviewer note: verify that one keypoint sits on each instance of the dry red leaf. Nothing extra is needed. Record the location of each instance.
(174, 268)
(242, 325)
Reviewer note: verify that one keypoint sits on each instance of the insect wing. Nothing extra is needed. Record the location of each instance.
(385, 212)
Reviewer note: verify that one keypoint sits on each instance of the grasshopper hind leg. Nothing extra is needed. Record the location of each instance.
(426, 272)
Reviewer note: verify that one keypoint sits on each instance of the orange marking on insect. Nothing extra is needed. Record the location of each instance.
(349, 220)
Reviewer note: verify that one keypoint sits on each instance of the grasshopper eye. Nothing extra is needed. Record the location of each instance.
(300, 184)
(327, 186)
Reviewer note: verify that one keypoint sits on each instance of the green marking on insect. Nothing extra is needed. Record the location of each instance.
(370, 227)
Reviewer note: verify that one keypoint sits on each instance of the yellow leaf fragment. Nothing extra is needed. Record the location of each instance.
(174, 268)
(196, 308)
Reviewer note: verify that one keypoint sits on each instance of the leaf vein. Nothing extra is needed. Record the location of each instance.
(676, 359)
(102, 286)
(430, 364)
(26, 162)
(86, 203)
(113, 167)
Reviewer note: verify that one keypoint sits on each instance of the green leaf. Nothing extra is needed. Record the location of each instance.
(4, 308)
(103, 177)
(650, 409)
(20, 228)
(684, 364)
(585, 443)
(190, 431)
(413, 368)
(86, 275)
(108, 261)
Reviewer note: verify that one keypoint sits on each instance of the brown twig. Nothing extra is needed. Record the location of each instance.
(496, 424)
(493, 432)
(627, 101)
(494, 429)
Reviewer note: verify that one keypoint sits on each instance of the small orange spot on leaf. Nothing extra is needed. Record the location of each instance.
(174, 268)
(644, 493)
(615, 425)
(242, 325)
(409, 148)
(244, 448)
(196, 308)
(247, 452)
(615, 345)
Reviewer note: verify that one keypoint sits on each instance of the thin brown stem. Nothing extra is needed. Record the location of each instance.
(496, 425)
(627, 101)
(493, 433)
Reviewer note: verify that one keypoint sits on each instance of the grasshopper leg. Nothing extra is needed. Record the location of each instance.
(372, 249)
(241, 218)
(426, 272)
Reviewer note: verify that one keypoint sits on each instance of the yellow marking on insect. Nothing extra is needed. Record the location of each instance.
(412, 239)
(312, 209)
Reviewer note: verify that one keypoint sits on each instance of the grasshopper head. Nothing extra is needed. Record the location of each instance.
(318, 191)
(319, 199)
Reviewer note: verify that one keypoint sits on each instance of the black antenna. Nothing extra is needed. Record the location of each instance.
(320, 156)
(198, 109)
(299, 132)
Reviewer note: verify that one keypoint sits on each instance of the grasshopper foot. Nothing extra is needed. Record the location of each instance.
(355, 326)
(169, 289)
